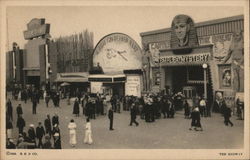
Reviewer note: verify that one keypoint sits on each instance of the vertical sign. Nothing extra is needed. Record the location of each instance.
(133, 86)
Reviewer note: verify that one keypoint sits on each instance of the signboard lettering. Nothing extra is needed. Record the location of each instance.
(183, 59)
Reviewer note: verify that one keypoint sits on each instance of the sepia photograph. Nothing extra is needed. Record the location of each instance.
(125, 79)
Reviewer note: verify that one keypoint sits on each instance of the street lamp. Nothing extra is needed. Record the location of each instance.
(204, 66)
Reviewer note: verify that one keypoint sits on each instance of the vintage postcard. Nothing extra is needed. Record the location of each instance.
(124, 79)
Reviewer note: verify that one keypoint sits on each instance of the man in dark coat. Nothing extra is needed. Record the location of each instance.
(55, 119)
(20, 124)
(47, 124)
(34, 104)
(111, 117)
(227, 115)
(133, 115)
(88, 109)
(39, 134)
(25, 95)
(9, 110)
(19, 110)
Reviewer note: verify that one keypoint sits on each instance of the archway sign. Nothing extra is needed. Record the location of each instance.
(117, 52)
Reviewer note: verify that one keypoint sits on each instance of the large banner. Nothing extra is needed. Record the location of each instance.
(96, 87)
(133, 86)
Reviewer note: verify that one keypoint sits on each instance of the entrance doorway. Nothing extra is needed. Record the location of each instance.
(114, 88)
(182, 77)
(33, 80)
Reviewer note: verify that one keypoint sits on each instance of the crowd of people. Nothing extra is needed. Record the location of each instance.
(149, 107)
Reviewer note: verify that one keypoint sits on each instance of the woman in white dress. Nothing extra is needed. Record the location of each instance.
(72, 133)
(88, 134)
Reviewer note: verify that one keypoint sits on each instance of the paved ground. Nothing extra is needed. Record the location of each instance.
(162, 134)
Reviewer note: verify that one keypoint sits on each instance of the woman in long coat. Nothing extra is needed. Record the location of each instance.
(88, 133)
(76, 108)
(72, 133)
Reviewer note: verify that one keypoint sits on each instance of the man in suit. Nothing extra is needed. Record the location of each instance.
(34, 104)
(39, 134)
(133, 115)
(111, 117)
(55, 119)
(20, 124)
(19, 110)
(227, 115)
(47, 124)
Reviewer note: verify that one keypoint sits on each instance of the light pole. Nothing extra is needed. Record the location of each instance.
(204, 66)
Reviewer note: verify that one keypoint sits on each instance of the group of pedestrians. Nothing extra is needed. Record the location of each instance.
(149, 107)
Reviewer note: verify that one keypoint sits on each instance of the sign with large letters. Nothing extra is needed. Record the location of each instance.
(117, 52)
(185, 59)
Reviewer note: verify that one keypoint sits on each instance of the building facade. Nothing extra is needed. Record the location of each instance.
(209, 57)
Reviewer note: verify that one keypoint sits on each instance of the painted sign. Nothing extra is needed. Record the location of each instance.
(133, 86)
(154, 50)
(96, 87)
(185, 59)
(36, 28)
(221, 44)
(225, 76)
(117, 52)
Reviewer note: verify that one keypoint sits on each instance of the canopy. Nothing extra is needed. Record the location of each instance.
(65, 84)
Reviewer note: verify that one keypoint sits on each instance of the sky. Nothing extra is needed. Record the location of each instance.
(103, 20)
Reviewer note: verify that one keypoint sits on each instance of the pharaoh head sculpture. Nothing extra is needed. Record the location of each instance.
(183, 32)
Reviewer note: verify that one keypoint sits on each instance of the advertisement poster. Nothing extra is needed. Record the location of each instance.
(96, 87)
(133, 86)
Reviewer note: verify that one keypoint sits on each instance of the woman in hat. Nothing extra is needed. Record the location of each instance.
(32, 134)
(57, 141)
(47, 144)
(196, 124)
(88, 133)
(76, 108)
(72, 133)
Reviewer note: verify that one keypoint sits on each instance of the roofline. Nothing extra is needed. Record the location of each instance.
(205, 23)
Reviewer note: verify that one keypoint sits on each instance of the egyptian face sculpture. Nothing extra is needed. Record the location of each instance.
(181, 28)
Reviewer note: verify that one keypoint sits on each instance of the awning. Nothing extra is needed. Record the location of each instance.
(107, 78)
(72, 77)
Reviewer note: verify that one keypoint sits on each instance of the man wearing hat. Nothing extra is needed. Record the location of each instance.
(55, 119)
